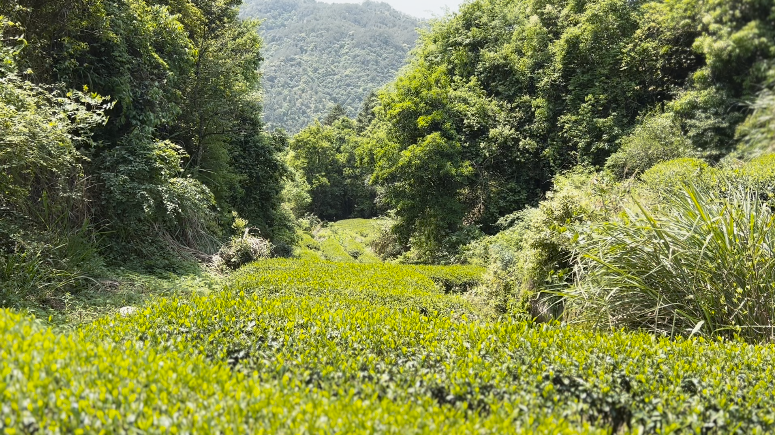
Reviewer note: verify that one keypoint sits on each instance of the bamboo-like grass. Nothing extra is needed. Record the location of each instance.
(702, 263)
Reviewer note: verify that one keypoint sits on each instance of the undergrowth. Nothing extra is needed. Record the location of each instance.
(700, 263)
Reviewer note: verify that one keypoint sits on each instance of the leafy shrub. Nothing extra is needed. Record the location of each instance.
(387, 244)
(283, 234)
(150, 208)
(41, 171)
(32, 273)
(295, 194)
(701, 263)
(424, 250)
(46, 243)
(144, 188)
(243, 248)
(311, 223)
(666, 177)
(533, 257)
(657, 139)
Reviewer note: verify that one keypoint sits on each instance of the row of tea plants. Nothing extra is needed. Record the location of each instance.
(291, 346)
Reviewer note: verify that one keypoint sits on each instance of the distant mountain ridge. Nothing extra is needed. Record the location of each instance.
(319, 54)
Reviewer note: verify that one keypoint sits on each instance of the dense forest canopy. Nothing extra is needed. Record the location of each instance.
(180, 142)
(327, 159)
(504, 95)
(319, 55)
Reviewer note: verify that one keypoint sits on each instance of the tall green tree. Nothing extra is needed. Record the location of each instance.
(327, 157)
(183, 77)
(505, 94)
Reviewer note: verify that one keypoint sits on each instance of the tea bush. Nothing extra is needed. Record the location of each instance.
(757, 174)
(657, 139)
(68, 384)
(367, 349)
(345, 240)
(665, 178)
(453, 279)
(378, 283)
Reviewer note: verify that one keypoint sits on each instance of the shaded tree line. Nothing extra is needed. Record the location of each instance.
(179, 143)
(503, 96)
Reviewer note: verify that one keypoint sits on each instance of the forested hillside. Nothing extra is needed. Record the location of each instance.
(506, 94)
(130, 132)
(318, 55)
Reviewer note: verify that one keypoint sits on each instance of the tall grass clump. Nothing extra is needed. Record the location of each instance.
(702, 263)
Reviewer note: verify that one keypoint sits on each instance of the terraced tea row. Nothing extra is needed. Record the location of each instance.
(293, 346)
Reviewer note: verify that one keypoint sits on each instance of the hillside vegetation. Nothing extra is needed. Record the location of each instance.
(318, 55)
(594, 156)
(558, 218)
(131, 130)
(503, 96)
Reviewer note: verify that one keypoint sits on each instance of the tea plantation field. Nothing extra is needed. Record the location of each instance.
(342, 241)
(308, 346)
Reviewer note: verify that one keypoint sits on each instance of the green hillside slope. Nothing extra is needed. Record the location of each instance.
(318, 55)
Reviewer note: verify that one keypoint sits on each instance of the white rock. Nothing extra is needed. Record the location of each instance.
(127, 311)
